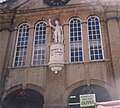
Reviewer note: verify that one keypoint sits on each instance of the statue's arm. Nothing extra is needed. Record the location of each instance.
(61, 29)
(51, 24)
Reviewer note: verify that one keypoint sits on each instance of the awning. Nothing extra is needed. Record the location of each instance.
(109, 104)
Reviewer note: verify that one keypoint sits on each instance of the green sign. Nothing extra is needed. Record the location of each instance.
(87, 100)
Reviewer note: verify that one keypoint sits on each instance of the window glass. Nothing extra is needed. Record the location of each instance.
(39, 44)
(95, 41)
(21, 45)
(76, 51)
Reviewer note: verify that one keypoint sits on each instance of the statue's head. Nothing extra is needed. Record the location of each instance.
(56, 22)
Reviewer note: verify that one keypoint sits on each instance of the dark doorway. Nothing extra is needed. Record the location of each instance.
(101, 94)
(23, 98)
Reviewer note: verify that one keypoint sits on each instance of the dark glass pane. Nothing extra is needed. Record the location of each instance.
(90, 32)
(98, 36)
(72, 49)
(36, 37)
(72, 59)
(97, 23)
(91, 47)
(100, 56)
(76, 49)
(100, 51)
(16, 59)
(79, 29)
(71, 39)
(93, 23)
(92, 57)
(91, 52)
(36, 42)
(75, 29)
(80, 59)
(89, 28)
(80, 53)
(71, 21)
(97, 27)
(94, 36)
(80, 49)
(75, 24)
(96, 51)
(93, 27)
(79, 38)
(90, 37)
(72, 53)
(76, 53)
(75, 38)
(79, 25)
(15, 64)
(76, 58)
(71, 30)
(96, 57)
(93, 32)
(43, 41)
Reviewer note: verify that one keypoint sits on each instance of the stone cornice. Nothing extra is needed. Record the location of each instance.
(84, 6)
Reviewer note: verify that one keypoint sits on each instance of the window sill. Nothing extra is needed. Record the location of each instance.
(66, 63)
(31, 66)
(83, 62)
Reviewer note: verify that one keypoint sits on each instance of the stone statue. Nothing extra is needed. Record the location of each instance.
(58, 31)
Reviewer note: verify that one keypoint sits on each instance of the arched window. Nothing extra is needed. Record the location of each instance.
(75, 30)
(39, 44)
(95, 38)
(21, 45)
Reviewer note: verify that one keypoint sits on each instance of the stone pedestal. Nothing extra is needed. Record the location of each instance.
(56, 61)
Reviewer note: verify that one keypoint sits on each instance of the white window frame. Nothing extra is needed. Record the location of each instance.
(32, 63)
(17, 46)
(98, 40)
(79, 43)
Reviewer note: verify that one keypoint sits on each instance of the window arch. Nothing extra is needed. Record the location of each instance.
(75, 38)
(39, 44)
(21, 45)
(95, 38)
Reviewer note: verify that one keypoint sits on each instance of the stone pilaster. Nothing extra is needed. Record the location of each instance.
(114, 38)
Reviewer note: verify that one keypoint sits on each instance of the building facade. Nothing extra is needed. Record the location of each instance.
(91, 32)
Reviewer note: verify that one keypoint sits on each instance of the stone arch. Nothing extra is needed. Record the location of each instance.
(107, 86)
(20, 86)
(11, 89)
(35, 87)
(31, 97)
(28, 21)
(94, 14)
(82, 83)
(72, 17)
(100, 92)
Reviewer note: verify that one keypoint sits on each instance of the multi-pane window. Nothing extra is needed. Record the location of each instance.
(76, 50)
(21, 45)
(39, 44)
(95, 38)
